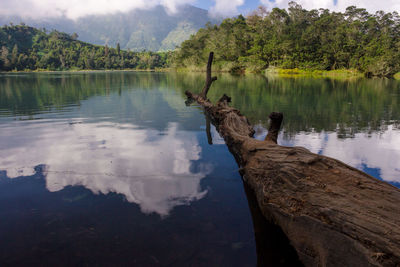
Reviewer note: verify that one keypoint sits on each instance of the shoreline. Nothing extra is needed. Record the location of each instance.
(337, 74)
(272, 71)
(296, 72)
(82, 71)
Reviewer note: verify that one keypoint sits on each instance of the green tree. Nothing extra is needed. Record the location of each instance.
(118, 49)
(74, 36)
(14, 56)
(298, 38)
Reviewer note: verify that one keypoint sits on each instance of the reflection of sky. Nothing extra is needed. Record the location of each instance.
(149, 167)
(376, 153)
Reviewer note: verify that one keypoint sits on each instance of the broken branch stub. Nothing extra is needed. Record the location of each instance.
(274, 127)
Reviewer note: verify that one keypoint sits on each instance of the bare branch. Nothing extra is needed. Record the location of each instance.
(209, 79)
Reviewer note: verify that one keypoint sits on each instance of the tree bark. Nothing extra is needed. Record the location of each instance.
(333, 214)
(209, 79)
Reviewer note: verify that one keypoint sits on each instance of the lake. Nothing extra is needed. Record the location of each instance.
(112, 168)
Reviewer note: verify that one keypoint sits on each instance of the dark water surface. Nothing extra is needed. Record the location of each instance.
(113, 169)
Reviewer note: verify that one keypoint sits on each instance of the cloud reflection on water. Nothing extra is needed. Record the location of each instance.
(378, 150)
(151, 168)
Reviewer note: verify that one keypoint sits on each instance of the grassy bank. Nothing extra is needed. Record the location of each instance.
(224, 68)
(339, 74)
(218, 66)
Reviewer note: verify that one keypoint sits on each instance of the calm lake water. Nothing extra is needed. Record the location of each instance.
(114, 169)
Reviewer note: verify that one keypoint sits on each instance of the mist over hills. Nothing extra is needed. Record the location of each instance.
(152, 30)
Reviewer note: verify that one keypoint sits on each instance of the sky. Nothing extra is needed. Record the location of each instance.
(217, 8)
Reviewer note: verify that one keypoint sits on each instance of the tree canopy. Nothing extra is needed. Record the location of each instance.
(298, 38)
(27, 48)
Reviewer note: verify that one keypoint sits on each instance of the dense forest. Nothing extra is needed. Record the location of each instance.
(286, 39)
(26, 48)
(297, 38)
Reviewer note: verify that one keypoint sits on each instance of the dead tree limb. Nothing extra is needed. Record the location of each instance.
(333, 214)
(209, 79)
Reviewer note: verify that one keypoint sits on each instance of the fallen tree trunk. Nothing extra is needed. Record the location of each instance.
(333, 214)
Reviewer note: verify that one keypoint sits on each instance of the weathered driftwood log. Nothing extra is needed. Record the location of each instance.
(333, 214)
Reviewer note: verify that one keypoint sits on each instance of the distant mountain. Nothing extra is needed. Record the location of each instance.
(137, 30)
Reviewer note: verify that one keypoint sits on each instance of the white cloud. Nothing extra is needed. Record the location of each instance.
(307, 4)
(225, 8)
(77, 8)
(155, 171)
(377, 150)
(174, 4)
(371, 5)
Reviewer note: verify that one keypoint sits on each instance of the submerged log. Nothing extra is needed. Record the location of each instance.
(333, 214)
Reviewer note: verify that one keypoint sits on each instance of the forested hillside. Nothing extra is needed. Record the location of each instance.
(150, 29)
(26, 48)
(293, 38)
(297, 38)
